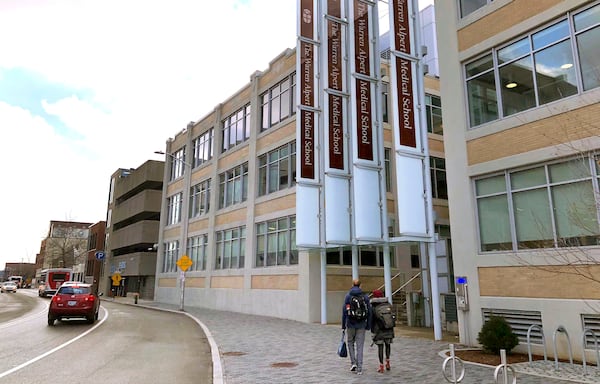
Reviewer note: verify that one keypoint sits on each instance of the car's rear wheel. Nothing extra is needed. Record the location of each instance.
(50, 321)
(90, 319)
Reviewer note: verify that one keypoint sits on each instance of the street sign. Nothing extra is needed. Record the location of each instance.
(184, 262)
(116, 278)
(100, 255)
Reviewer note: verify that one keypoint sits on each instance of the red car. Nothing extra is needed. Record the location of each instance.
(72, 302)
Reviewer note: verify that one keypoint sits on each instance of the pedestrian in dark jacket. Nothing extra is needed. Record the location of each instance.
(356, 329)
(381, 336)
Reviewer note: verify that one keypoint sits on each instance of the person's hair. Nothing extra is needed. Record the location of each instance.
(356, 282)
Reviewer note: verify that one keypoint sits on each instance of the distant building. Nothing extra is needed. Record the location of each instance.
(65, 246)
(26, 270)
(132, 229)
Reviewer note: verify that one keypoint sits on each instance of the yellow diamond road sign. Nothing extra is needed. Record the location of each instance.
(184, 262)
(116, 278)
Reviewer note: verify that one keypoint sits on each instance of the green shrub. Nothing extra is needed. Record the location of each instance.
(496, 334)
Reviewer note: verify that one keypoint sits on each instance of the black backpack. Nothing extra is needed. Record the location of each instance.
(358, 310)
(385, 315)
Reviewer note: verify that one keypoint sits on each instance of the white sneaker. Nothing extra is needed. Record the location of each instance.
(353, 368)
(359, 373)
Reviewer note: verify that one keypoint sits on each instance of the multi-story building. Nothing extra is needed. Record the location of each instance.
(229, 203)
(520, 83)
(132, 230)
(95, 254)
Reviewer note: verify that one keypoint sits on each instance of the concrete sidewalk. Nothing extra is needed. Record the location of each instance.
(258, 349)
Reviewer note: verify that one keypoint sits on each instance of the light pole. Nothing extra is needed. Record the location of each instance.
(184, 261)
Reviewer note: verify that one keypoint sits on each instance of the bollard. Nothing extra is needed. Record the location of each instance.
(135, 298)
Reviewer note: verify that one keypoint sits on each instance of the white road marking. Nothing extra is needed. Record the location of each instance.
(18, 367)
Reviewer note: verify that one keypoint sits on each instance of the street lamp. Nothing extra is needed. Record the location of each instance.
(184, 261)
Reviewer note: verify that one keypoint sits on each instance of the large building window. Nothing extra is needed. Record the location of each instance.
(236, 128)
(231, 248)
(170, 256)
(277, 169)
(174, 205)
(196, 251)
(535, 69)
(177, 161)
(469, 6)
(367, 255)
(200, 199)
(233, 186)
(439, 187)
(279, 102)
(433, 108)
(203, 147)
(276, 242)
(547, 206)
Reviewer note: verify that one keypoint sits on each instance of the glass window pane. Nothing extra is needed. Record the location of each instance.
(513, 51)
(483, 102)
(551, 34)
(528, 178)
(587, 18)
(271, 249)
(470, 6)
(588, 45)
(575, 214)
(569, 170)
(480, 65)
(490, 185)
(555, 72)
(494, 224)
(517, 86)
(533, 221)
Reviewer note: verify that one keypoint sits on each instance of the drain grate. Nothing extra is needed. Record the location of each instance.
(284, 365)
(234, 353)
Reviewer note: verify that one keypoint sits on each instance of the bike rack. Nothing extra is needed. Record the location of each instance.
(591, 332)
(562, 330)
(504, 367)
(452, 358)
(529, 342)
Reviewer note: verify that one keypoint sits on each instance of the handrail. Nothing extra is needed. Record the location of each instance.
(405, 284)
(396, 275)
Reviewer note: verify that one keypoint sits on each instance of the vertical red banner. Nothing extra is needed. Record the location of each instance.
(404, 75)
(335, 77)
(362, 60)
(307, 90)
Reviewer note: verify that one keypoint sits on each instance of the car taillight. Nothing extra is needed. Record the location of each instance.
(90, 298)
(55, 298)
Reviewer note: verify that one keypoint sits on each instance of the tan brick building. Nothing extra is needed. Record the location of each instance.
(520, 83)
(229, 203)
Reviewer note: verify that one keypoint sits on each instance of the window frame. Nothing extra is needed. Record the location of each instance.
(549, 187)
(283, 231)
(232, 125)
(227, 186)
(575, 78)
(274, 96)
(267, 163)
(227, 237)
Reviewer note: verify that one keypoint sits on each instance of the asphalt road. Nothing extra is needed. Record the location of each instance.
(126, 345)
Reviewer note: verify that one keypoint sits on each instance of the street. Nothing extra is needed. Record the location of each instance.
(126, 345)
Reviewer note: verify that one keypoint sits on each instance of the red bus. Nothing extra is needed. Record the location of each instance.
(51, 279)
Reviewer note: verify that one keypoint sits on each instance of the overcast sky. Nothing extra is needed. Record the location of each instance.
(90, 86)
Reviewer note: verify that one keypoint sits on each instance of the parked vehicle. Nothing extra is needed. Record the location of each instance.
(74, 302)
(8, 286)
(51, 279)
